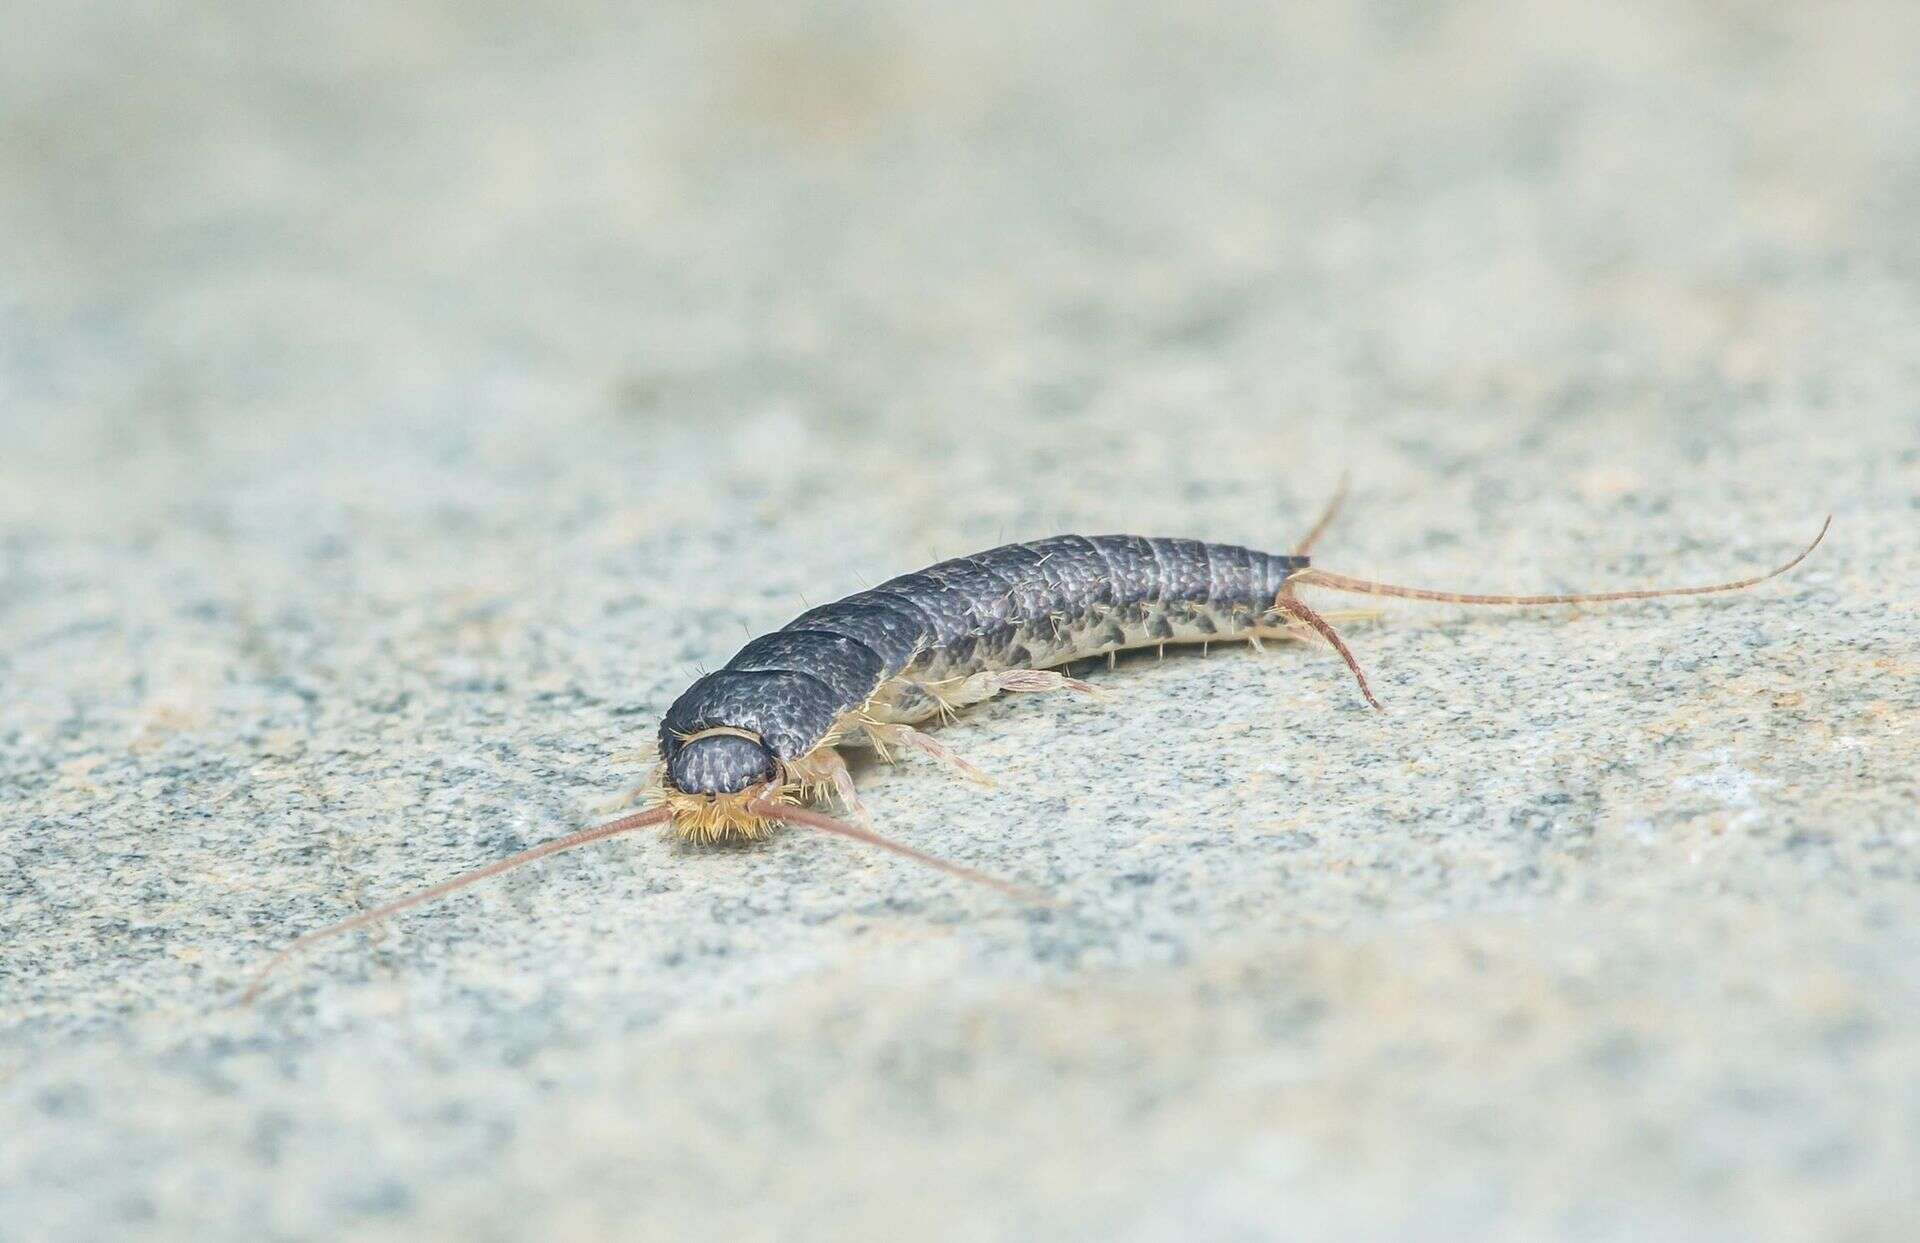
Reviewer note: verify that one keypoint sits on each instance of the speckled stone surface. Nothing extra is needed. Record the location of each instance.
(399, 404)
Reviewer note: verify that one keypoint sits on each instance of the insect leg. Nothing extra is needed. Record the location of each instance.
(628, 798)
(825, 766)
(884, 736)
(983, 686)
(646, 790)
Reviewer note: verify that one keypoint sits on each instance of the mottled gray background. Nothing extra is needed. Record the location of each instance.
(401, 402)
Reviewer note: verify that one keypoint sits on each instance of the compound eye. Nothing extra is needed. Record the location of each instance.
(720, 764)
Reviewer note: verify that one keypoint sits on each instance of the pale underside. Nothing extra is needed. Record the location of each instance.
(937, 686)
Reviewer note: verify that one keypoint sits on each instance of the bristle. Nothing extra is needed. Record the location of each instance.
(710, 818)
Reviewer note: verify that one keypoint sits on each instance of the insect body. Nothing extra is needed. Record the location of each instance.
(867, 669)
(745, 746)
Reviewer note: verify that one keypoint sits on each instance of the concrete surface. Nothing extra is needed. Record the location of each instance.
(402, 402)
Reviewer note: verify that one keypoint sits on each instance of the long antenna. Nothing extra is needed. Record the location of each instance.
(1316, 577)
(626, 824)
(788, 814)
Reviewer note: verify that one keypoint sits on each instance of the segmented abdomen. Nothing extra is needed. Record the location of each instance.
(1031, 605)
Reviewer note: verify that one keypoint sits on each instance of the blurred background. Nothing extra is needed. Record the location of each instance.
(399, 403)
(287, 264)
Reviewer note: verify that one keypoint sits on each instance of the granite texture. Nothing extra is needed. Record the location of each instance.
(400, 404)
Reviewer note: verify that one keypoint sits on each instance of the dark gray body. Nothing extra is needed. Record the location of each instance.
(891, 650)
